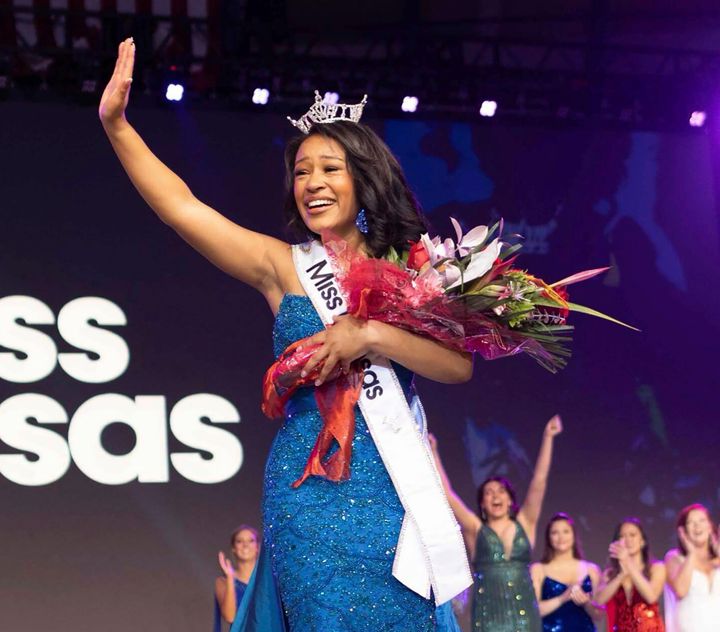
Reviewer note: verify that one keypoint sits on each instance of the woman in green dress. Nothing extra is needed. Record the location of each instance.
(499, 539)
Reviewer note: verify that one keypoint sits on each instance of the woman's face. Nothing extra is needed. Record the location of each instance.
(245, 546)
(698, 527)
(323, 187)
(632, 537)
(496, 501)
(562, 538)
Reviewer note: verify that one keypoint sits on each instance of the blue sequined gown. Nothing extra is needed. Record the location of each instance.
(331, 545)
(503, 594)
(568, 617)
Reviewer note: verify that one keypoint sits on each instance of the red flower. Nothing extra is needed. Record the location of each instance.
(418, 256)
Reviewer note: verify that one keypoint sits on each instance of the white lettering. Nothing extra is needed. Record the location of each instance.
(76, 328)
(186, 424)
(52, 451)
(39, 348)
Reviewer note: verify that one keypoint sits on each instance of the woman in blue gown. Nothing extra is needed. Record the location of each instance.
(229, 589)
(328, 547)
(564, 582)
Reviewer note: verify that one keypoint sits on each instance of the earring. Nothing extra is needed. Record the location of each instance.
(361, 221)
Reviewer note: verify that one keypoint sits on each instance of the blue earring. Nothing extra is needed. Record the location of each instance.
(361, 221)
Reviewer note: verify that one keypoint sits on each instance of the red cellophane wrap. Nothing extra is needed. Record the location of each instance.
(380, 290)
(336, 399)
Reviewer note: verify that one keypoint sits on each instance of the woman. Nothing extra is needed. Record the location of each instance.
(230, 588)
(500, 539)
(564, 582)
(327, 559)
(632, 583)
(692, 597)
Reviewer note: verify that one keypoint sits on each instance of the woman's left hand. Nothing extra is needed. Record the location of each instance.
(342, 342)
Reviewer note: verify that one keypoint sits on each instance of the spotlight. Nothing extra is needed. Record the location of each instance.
(409, 104)
(697, 118)
(331, 97)
(174, 92)
(260, 96)
(488, 108)
(88, 86)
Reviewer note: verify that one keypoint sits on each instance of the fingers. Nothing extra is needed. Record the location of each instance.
(327, 368)
(314, 360)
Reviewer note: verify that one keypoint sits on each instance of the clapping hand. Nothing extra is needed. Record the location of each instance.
(619, 551)
(578, 596)
(226, 565)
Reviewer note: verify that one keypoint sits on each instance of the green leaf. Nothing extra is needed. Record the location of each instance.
(574, 307)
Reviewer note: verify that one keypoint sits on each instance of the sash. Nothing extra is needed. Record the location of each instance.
(430, 550)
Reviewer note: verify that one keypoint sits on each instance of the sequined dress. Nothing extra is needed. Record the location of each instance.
(634, 615)
(503, 595)
(331, 545)
(569, 617)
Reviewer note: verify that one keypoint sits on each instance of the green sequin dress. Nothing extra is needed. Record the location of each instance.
(503, 595)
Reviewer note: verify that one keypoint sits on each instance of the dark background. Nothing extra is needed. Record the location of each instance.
(639, 408)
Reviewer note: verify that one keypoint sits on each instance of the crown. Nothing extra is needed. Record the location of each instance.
(323, 112)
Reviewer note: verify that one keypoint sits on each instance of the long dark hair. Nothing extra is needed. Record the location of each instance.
(614, 565)
(549, 552)
(514, 507)
(682, 522)
(393, 214)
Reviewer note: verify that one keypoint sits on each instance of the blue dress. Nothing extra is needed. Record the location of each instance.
(328, 547)
(217, 617)
(568, 617)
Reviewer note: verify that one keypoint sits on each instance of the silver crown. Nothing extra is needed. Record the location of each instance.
(323, 112)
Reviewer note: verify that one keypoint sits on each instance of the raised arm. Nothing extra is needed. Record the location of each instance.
(225, 589)
(529, 513)
(467, 519)
(249, 256)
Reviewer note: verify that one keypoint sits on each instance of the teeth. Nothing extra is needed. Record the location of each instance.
(315, 203)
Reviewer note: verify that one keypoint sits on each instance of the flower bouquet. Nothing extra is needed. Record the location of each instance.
(465, 294)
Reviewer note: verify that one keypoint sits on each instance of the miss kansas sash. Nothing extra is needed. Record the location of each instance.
(430, 550)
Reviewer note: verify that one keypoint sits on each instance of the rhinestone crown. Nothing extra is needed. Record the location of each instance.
(323, 112)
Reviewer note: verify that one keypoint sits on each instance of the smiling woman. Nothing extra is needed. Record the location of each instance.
(330, 557)
(499, 539)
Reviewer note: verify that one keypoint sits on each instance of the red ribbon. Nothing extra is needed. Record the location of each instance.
(336, 399)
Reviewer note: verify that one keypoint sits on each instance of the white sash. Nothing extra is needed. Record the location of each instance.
(430, 550)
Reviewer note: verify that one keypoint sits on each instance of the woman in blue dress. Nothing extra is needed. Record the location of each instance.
(229, 589)
(328, 548)
(564, 582)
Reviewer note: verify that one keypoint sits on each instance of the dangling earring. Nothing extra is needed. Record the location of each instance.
(361, 222)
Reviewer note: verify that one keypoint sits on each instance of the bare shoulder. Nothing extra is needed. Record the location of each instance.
(594, 571)
(657, 568)
(673, 556)
(537, 570)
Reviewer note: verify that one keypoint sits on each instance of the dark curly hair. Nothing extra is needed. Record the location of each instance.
(507, 485)
(393, 214)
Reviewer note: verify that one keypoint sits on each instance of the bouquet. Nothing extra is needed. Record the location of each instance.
(466, 294)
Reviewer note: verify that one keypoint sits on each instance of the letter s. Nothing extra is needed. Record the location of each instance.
(52, 451)
(76, 328)
(39, 348)
(186, 424)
